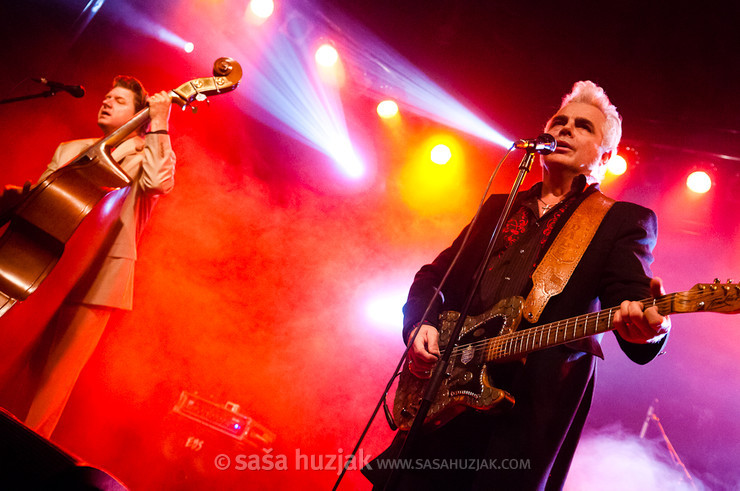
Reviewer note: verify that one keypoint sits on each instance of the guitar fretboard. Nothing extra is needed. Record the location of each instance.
(712, 298)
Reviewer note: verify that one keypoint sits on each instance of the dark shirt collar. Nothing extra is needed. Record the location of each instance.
(578, 186)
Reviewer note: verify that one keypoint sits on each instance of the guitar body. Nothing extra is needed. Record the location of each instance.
(467, 383)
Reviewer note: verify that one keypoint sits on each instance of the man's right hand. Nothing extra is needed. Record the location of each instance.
(424, 353)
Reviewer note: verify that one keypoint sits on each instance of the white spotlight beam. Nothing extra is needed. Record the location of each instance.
(144, 24)
(285, 84)
(393, 75)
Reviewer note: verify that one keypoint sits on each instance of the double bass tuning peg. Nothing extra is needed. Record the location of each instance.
(199, 99)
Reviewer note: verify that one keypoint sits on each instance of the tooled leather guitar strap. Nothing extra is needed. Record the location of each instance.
(561, 259)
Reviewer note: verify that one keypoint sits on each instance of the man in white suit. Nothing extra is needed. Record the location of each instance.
(78, 325)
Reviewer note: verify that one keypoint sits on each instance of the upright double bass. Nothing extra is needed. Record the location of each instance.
(38, 226)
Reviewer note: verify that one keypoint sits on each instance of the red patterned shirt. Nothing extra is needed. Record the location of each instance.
(524, 241)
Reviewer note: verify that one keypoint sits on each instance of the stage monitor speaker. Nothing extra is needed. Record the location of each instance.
(30, 461)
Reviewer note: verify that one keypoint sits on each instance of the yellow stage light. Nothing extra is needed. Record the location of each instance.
(441, 154)
(617, 165)
(387, 109)
(699, 182)
(326, 55)
(262, 8)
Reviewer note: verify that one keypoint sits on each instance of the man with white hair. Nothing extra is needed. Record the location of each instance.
(553, 388)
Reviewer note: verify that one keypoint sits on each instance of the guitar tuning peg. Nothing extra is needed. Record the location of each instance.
(729, 280)
(716, 280)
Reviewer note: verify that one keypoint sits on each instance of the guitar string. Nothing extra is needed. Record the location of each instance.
(505, 343)
(498, 344)
(516, 336)
(533, 338)
(523, 339)
(557, 326)
(519, 337)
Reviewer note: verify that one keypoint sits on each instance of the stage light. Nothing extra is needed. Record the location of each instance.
(384, 310)
(326, 55)
(294, 99)
(344, 155)
(330, 68)
(189, 47)
(386, 70)
(262, 8)
(699, 182)
(92, 8)
(617, 165)
(297, 26)
(387, 109)
(432, 189)
(441, 154)
(145, 25)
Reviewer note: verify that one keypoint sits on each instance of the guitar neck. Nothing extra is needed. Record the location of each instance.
(711, 298)
(536, 338)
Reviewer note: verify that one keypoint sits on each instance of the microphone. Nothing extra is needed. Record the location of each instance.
(651, 411)
(543, 144)
(74, 90)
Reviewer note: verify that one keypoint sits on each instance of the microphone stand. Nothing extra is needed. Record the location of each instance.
(46, 93)
(672, 451)
(440, 370)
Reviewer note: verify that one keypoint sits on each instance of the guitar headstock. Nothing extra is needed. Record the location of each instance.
(714, 297)
(226, 76)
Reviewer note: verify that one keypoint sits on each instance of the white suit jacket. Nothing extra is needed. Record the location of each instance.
(150, 162)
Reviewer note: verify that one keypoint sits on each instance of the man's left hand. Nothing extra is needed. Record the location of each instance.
(637, 326)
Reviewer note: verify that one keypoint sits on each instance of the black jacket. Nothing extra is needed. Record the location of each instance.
(614, 268)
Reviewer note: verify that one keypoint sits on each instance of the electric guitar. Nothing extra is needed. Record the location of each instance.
(492, 337)
(43, 219)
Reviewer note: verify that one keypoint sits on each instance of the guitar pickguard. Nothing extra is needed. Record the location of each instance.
(466, 383)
